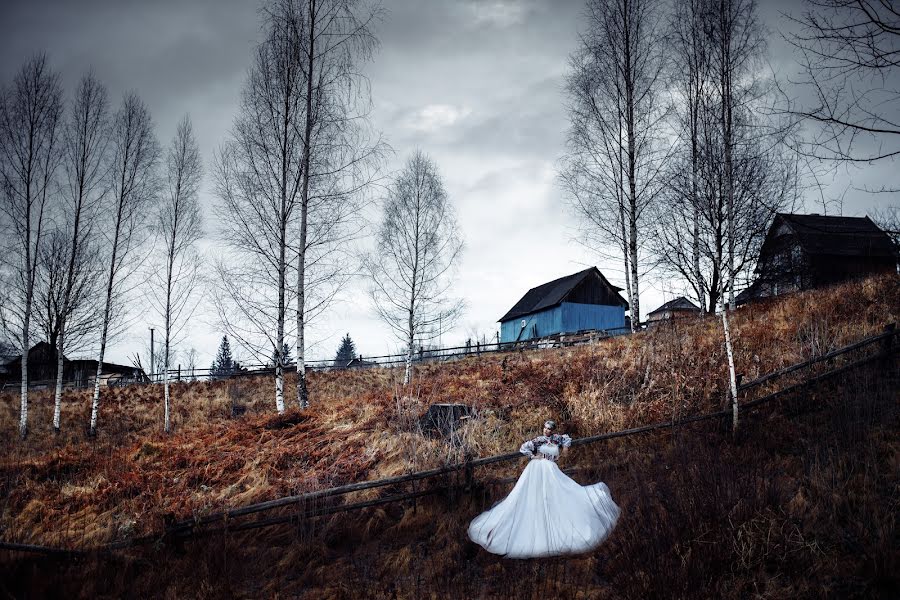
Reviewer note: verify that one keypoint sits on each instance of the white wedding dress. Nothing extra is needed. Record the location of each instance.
(546, 513)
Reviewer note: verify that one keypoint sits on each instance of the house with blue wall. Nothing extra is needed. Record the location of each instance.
(582, 301)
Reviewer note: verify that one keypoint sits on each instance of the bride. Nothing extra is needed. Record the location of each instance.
(546, 513)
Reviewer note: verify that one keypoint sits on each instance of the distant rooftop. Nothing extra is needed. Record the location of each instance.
(680, 303)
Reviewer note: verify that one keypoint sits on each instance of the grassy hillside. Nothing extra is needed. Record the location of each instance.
(802, 502)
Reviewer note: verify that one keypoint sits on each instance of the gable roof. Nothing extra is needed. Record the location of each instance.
(680, 303)
(40, 347)
(554, 292)
(836, 236)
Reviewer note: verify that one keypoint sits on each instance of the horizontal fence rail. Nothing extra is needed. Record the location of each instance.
(420, 356)
(195, 526)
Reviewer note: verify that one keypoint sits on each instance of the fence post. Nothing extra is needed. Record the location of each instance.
(888, 342)
(470, 473)
(179, 372)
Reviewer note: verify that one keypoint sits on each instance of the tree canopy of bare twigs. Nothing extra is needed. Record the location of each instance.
(134, 187)
(176, 269)
(616, 154)
(30, 118)
(717, 211)
(294, 175)
(418, 243)
(849, 52)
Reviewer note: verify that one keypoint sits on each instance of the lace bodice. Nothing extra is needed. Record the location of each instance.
(547, 446)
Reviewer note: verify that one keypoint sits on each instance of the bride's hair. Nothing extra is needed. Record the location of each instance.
(551, 425)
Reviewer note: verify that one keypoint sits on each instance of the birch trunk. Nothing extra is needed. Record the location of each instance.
(23, 404)
(107, 309)
(732, 376)
(279, 336)
(57, 396)
(726, 23)
(633, 231)
(168, 325)
(630, 118)
(302, 389)
(407, 375)
(695, 200)
(26, 321)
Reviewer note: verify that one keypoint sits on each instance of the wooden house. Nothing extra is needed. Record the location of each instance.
(77, 372)
(808, 251)
(678, 308)
(583, 301)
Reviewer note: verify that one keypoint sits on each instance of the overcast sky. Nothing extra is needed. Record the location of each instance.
(477, 84)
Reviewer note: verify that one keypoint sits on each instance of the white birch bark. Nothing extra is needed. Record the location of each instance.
(732, 376)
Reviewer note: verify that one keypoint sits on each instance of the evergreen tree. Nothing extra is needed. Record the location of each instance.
(224, 364)
(345, 353)
(286, 358)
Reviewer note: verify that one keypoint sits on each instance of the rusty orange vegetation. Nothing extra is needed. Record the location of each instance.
(132, 478)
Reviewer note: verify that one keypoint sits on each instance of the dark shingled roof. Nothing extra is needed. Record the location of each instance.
(680, 303)
(552, 293)
(839, 236)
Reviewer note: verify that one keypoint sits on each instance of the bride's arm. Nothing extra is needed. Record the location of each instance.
(528, 449)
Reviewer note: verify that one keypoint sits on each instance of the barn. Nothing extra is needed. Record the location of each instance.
(809, 251)
(583, 301)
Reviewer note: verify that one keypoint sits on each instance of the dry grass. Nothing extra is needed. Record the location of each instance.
(76, 491)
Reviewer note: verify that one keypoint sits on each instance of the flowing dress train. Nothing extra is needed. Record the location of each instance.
(546, 513)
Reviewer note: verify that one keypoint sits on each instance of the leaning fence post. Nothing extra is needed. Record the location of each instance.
(470, 473)
(887, 342)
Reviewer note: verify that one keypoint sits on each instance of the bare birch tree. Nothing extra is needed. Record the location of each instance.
(334, 37)
(259, 179)
(178, 226)
(737, 47)
(30, 115)
(615, 161)
(85, 163)
(418, 243)
(134, 186)
(292, 178)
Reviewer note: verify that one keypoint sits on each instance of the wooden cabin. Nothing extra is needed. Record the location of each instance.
(77, 372)
(583, 301)
(679, 308)
(801, 252)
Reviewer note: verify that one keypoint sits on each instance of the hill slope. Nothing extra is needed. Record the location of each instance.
(802, 502)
